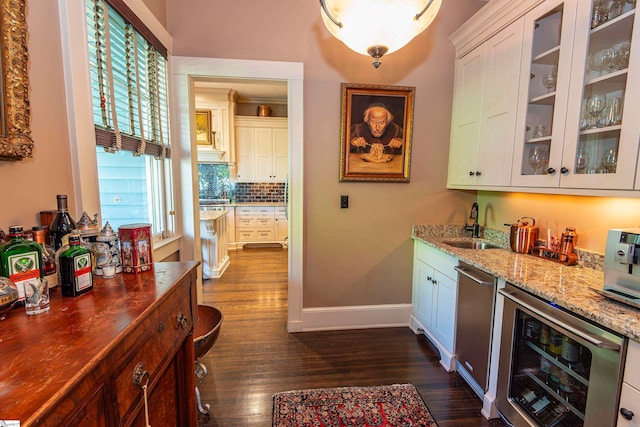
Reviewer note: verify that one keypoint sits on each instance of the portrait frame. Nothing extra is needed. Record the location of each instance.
(15, 133)
(203, 127)
(365, 154)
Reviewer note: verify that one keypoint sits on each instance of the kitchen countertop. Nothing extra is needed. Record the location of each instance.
(567, 286)
(206, 215)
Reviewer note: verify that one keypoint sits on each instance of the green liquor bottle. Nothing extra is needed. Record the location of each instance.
(21, 261)
(75, 268)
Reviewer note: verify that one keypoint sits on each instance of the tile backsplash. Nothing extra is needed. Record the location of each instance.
(214, 183)
(260, 192)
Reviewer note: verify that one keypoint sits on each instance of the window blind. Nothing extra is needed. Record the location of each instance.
(128, 82)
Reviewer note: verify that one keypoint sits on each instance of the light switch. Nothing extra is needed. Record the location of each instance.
(344, 202)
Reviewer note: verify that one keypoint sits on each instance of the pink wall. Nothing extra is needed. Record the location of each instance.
(361, 255)
(31, 185)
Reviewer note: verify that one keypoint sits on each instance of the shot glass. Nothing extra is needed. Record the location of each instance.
(36, 293)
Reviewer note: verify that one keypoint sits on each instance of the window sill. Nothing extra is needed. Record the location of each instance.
(164, 248)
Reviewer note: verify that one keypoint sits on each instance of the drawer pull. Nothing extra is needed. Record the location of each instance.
(626, 414)
(140, 375)
(182, 320)
(161, 327)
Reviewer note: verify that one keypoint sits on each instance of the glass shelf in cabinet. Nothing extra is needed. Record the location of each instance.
(539, 140)
(545, 99)
(549, 57)
(612, 32)
(618, 77)
(602, 129)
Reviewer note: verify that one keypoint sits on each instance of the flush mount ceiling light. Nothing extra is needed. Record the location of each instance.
(376, 27)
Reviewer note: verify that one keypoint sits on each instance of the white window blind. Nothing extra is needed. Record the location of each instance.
(128, 68)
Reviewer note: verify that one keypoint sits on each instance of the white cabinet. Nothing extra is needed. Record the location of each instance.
(262, 149)
(576, 143)
(578, 133)
(260, 224)
(485, 101)
(629, 414)
(221, 106)
(281, 224)
(434, 298)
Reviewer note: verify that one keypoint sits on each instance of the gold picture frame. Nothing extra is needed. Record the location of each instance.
(15, 133)
(203, 127)
(376, 132)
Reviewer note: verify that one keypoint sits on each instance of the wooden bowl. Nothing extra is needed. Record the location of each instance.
(207, 329)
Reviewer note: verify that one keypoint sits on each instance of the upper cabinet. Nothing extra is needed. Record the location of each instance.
(485, 100)
(263, 147)
(220, 104)
(574, 120)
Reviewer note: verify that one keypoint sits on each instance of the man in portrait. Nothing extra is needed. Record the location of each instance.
(378, 133)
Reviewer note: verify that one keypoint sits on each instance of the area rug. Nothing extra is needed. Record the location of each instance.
(397, 405)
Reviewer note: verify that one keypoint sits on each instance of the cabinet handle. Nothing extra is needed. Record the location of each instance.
(551, 171)
(471, 173)
(626, 414)
(564, 170)
(182, 321)
(140, 375)
(478, 173)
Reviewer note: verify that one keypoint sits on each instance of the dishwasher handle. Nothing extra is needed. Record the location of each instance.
(469, 273)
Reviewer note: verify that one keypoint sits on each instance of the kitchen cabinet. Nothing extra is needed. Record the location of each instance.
(221, 105)
(577, 134)
(281, 224)
(262, 149)
(485, 101)
(96, 350)
(434, 296)
(579, 149)
(629, 414)
(260, 224)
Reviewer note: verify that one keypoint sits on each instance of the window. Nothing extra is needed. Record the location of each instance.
(128, 74)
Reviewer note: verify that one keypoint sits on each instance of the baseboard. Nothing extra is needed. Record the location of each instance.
(447, 359)
(355, 317)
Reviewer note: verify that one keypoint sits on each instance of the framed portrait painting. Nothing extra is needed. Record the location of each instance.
(203, 127)
(376, 132)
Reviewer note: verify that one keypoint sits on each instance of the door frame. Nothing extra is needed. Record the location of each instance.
(184, 71)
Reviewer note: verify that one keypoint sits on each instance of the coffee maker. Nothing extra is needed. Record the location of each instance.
(622, 266)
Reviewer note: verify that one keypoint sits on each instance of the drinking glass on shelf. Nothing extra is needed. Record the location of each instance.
(539, 131)
(597, 14)
(596, 61)
(610, 59)
(582, 160)
(595, 105)
(549, 81)
(537, 158)
(624, 50)
(610, 160)
(612, 113)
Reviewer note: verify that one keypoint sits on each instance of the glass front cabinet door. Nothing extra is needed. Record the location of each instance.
(579, 125)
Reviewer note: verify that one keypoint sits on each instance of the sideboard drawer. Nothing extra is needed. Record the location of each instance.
(166, 330)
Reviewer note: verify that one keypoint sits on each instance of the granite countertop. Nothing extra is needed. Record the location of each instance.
(211, 215)
(570, 287)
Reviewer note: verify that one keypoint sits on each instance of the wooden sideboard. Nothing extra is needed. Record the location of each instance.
(74, 365)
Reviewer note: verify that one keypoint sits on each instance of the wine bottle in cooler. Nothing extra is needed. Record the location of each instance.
(62, 224)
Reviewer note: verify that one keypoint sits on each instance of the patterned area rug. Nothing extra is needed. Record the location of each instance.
(397, 405)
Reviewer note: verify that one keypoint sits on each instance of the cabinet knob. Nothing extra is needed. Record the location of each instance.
(551, 171)
(626, 414)
(478, 173)
(564, 170)
(471, 173)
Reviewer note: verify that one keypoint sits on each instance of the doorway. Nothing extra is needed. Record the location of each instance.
(185, 72)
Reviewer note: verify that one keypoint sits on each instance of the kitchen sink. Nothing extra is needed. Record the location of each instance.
(465, 244)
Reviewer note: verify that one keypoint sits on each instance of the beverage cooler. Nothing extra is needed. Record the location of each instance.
(556, 369)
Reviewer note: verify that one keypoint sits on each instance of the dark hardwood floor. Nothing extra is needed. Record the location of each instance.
(254, 356)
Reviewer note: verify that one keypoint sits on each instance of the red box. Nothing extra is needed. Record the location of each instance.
(135, 248)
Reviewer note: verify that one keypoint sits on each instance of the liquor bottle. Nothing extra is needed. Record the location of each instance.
(544, 337)
(570, 350)
(62, 224)
(75, 268)
(21, 261)
(555, 345)
(49, 268)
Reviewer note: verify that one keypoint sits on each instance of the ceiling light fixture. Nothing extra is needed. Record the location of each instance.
(377, 27)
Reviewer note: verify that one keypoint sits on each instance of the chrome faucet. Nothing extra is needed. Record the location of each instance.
(475, 227)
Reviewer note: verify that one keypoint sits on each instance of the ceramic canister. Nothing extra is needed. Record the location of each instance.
(107, 250)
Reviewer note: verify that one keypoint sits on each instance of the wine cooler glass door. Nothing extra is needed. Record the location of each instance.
(558, 374)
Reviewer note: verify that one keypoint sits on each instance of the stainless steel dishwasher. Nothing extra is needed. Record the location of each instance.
(476, 298)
